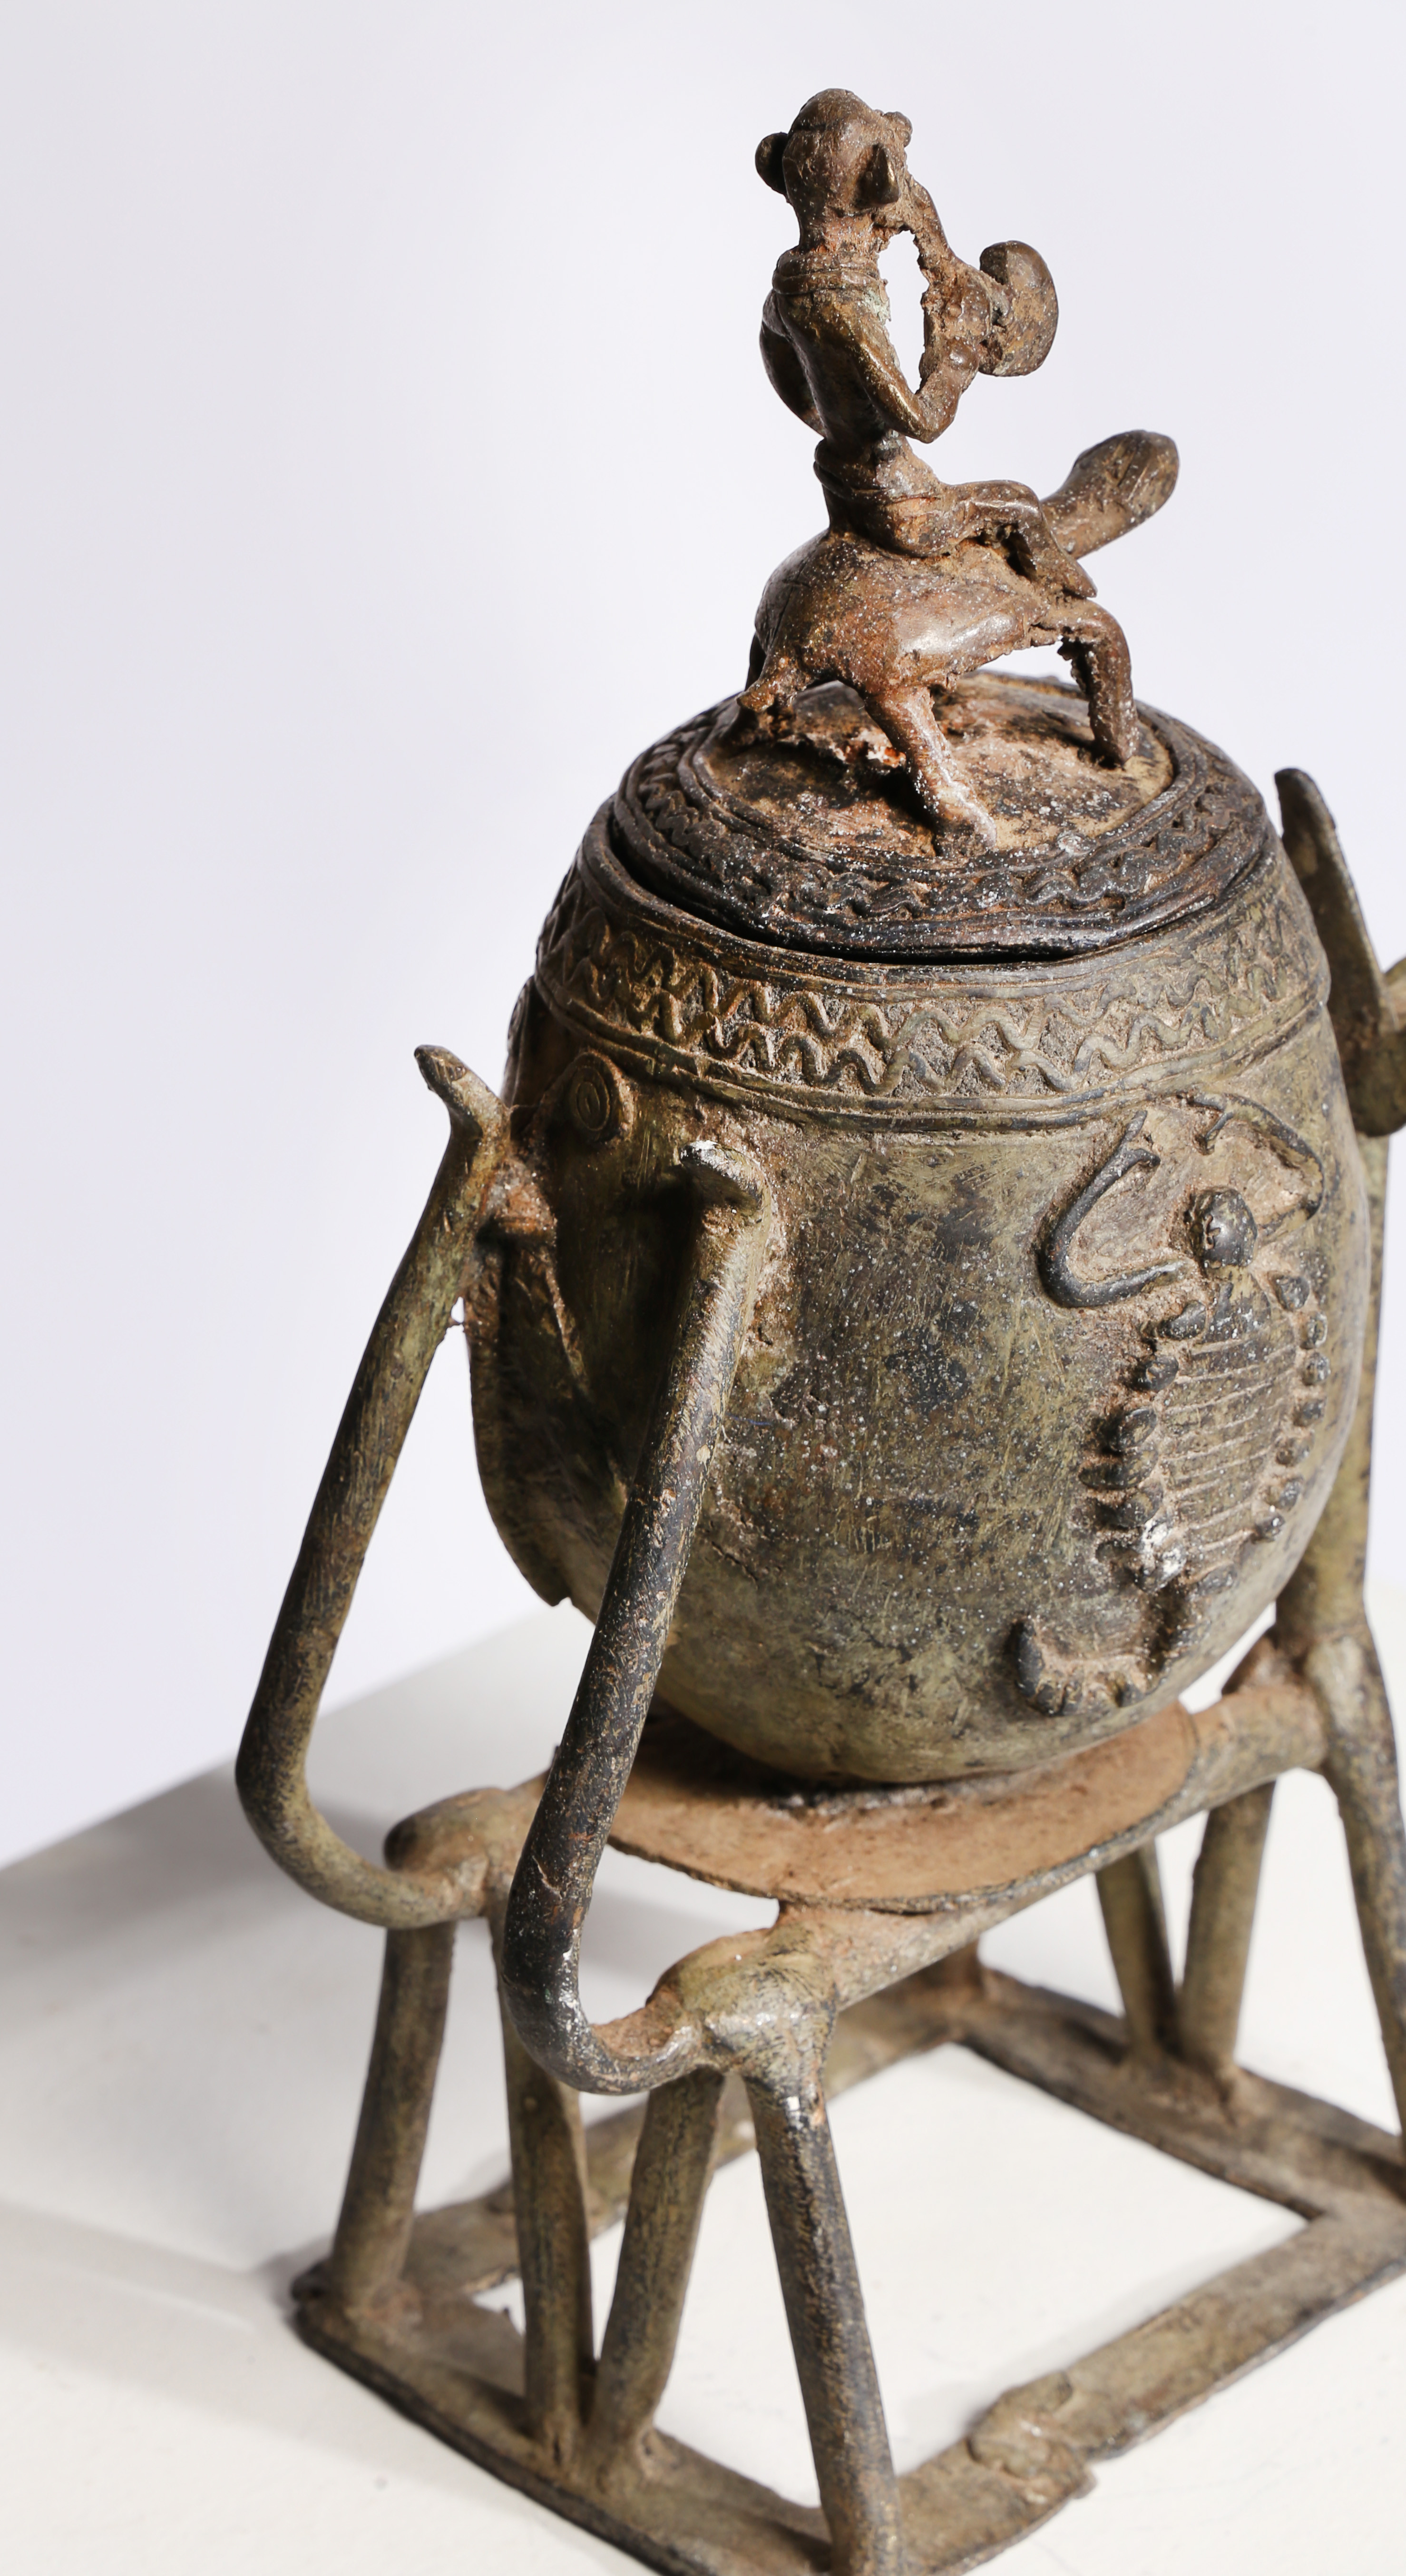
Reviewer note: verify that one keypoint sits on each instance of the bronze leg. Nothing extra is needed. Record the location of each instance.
(1130, 1893)
(1097, 650)
(673, 2163)
(554, 2247)
(825, 2310)
(1223, 1896)
(1362, 1769)
(378, 2207)
(1323, 1624)
(907, 718)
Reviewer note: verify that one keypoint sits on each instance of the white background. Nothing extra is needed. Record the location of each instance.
(384, 458)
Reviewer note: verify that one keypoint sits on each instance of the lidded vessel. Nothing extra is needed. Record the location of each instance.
(1007, 998)
(1055, 1342)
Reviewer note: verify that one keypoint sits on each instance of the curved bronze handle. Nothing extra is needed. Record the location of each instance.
(271, 1769)
(551, 1891)
(1367, 1008)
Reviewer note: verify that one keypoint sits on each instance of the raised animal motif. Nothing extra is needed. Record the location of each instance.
(1201, 1456)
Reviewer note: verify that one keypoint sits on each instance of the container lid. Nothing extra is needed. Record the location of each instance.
(818, 842)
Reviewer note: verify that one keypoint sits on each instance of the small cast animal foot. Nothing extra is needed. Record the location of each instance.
(1101, 668)
(958, 813)
(908, 719)
(762, 710)
(1056, 1685)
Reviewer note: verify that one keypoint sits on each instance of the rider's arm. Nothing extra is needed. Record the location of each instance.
(956, 326)
(872, 354)
(947, 369)
(956, 315)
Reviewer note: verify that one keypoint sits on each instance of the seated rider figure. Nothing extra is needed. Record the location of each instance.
(827, 350)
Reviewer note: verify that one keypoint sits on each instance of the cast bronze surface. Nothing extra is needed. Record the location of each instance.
(918, 583)
(459, 2368)
(1015, 1444)
(883, 1894)
(922, 1286)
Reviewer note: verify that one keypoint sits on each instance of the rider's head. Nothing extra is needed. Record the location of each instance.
(839, 158)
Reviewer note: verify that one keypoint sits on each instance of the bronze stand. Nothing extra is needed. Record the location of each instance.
(859, 1971)
(873, 1955)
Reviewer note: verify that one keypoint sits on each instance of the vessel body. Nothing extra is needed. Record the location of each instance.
(1056, 1342)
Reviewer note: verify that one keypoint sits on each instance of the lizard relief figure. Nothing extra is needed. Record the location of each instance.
(916, 582)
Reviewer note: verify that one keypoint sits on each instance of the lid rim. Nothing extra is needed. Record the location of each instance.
(691, 841)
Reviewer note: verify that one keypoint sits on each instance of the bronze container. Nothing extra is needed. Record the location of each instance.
(1059, 1328)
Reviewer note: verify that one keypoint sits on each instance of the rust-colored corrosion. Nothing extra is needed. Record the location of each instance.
(694, 1806)
(922, 1284)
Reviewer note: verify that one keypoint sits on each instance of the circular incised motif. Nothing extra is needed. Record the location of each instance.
(593, 1098)
(818, 841)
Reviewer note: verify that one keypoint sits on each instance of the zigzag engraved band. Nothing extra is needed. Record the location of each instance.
(684, 1001)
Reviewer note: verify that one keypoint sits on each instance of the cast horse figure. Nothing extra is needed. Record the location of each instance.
(916, 583)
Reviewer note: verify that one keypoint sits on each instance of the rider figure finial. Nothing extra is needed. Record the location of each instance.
(826, 347)
(920, 582)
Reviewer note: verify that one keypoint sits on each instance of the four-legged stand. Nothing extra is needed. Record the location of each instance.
(742, 2043)
(851, 1988)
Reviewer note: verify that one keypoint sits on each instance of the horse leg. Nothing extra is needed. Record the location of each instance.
(907, 718)
(1097, 649)
(774, 682)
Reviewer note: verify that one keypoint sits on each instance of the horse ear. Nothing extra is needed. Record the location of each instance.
(769, 152)
(878, 180)
(902, 125)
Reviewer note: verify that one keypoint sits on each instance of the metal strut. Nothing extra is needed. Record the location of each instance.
(551, 1892)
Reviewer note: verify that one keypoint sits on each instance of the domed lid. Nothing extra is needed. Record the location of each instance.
(819, 842)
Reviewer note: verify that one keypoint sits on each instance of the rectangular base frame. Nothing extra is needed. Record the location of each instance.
(458, 2368)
